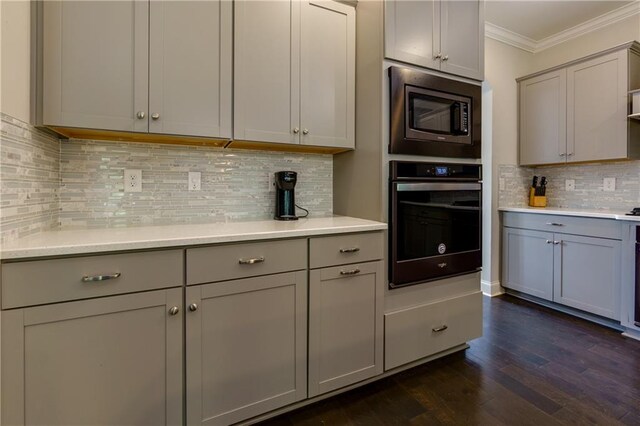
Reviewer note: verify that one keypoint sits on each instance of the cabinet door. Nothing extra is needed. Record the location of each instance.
(190, 68)
(587, 274)
(345, 325)
(110, 361)
(527, 262)
(543, 113)
(597, 108)
(267, 71)
(327, 74)
(246, 347)
(96, 64)
(412, 32)
(462, 38)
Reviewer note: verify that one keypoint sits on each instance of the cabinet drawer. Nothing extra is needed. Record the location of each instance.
(46, 281)
(343, 249)
(420, 331)
(227, 262)
(604, 228)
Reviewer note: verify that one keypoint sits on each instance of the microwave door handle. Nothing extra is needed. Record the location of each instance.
(438, 186)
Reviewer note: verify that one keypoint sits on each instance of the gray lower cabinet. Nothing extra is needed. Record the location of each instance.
(109, 361)
(245, 347)
(528, 262)
(580, 271)
(345, 325)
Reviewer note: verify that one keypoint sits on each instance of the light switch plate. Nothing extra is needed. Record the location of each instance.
(195, 181)
(132, 180)
(570, 185)
(272, 182)
(609, 184)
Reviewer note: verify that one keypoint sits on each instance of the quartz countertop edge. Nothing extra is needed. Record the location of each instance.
(601, 214)
(90, 241)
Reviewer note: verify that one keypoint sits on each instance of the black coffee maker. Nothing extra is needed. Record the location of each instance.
(285, 199)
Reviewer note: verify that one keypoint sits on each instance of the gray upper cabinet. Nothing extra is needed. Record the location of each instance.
(442, 35)
(577, 112)
(597, 108)
(138, 66)
(108, 361)
(543, 106)
(295, 73)
(95, 64)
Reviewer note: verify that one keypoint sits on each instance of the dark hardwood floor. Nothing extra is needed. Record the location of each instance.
(533, 366)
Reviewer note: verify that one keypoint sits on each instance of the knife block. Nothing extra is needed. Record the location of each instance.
(537, 200)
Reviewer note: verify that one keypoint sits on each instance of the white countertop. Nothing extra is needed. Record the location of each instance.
(85, 241)
(602, 214)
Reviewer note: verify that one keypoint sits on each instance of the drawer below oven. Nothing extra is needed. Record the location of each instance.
(423, 330)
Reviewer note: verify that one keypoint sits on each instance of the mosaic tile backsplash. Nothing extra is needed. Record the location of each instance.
(29, 179)
(235, 184)
(588, 193)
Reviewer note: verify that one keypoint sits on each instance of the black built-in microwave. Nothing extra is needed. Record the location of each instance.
(433, 116)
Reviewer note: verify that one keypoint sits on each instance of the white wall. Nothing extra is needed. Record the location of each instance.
(15, 56)
(503, 64)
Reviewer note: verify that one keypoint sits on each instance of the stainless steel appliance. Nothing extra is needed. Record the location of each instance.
(285, 196)
(434, 116)
(435, 221)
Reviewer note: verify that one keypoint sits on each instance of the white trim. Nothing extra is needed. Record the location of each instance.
(534, 46)
(631, 334)
(491, 288)
(509, 37)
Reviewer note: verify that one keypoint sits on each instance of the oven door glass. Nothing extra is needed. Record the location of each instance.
(435, 219)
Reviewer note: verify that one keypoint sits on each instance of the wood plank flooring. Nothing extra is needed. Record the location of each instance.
(533, 366)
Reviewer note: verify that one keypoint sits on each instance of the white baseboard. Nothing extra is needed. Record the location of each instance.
(490, 288)
(632, 334)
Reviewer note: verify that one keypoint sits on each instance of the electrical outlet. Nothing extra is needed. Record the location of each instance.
(609, 184)
(132, 180)
(194, 181)
(570, 185)
(272, 182)
(501, 184)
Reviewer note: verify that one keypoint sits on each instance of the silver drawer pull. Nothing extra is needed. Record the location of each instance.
(88, 279)
(557, 242)
(439, 329)
(251, 261)
(350, 250)
(555, 224)
(351, 272)
(442, 265)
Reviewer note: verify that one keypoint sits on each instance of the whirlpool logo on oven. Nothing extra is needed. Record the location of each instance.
(442, 248)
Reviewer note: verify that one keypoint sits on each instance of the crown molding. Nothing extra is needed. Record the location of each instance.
(509, 37)
(534, 46)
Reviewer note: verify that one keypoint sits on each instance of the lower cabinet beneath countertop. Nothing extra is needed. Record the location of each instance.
(245, 347)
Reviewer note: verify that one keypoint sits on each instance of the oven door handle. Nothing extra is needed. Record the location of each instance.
(438, 186)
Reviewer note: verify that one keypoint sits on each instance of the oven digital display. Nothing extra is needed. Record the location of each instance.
(442, 171)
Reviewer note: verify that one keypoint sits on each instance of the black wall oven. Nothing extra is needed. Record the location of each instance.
(434, 116)
(435, 221)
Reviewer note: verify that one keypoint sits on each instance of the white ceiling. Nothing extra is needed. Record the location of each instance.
(540, 19)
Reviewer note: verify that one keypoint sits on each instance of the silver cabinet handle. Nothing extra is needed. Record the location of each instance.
(305, 131)
(251, 261)
(439, 329)
(445, 58)
(350, 250)
(557, 242)
(141, 115)
(296, 130)
(555, 224)
(442, 265)
(562, 155)
(438, 56)
(155, 115)
(174, 311)
(548, 241)
(193, 307)
(95, 278)
(351, 272)
(570, 154)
